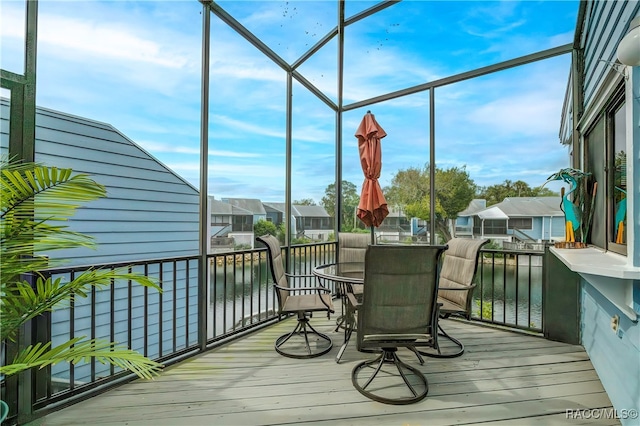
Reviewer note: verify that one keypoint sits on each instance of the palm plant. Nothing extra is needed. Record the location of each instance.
(35, 200)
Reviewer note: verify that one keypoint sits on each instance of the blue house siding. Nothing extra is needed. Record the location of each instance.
(150, 212)
(616, 357)
(557, 224)
(603, 32)
(141, 321)
(546, 228)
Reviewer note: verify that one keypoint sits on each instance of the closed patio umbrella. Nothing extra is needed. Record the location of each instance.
(372, 208)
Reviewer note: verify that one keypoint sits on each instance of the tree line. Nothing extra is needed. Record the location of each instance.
(410, 190)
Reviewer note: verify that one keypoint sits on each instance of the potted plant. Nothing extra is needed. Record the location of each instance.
(35, 200)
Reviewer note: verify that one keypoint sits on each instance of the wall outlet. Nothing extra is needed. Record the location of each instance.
(615, 323)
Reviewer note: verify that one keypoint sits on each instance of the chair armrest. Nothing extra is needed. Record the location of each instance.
(461, 288)
(353, 300)
(324, 289)
(298, 276)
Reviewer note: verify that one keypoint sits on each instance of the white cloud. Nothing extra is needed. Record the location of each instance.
(193, 150)
(101, 39)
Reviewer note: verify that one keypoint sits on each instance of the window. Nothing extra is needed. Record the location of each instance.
(489, 226)
(242, 223)
(606, 160)
(219, 220)
(520, 223)
(617, 200)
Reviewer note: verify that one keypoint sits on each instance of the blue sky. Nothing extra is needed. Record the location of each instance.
(136, 66)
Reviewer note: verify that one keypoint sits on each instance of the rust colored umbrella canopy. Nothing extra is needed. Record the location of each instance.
(372, 208)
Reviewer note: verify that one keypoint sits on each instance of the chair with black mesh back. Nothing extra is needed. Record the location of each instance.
(304, 341)
(456, 289)
(398, 310)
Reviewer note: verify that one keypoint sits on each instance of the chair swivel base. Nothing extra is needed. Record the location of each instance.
(389, 356)
(457, 350)
(309, 342)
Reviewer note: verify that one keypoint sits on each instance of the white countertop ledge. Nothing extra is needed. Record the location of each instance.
(593, 261)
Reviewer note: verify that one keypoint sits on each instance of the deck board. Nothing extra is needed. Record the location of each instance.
(503, 377)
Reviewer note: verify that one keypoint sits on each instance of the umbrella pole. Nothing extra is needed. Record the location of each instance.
(373, 237)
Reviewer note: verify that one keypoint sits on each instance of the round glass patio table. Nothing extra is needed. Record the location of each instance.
(345, 275)
(341, 273)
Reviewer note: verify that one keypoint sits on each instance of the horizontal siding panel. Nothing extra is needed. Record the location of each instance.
(109, 174)
(606, 27)
(185, 197)
(135, 250)
(48, 116)
(149, 212)
(103, 157)
(76, 128)
(111, 142)
(156, 217)
(131, 169)
(118, 205)
(101, 256)
(129, 238)
(133, 226)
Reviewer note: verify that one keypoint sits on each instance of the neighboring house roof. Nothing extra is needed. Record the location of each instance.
(280, 207)
(515, 207)
(311, 211)
(298, 210)
(239, 211)
(220, 208)
(492, 212)
(274, 207)
(475, 206)
(252, 205)
(531, 206)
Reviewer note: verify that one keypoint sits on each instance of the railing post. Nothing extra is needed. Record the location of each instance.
(205, 222)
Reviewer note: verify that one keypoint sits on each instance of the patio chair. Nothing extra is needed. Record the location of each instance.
(351, 252)
(399, 310)
(456, 288)
(350, 258)
(304, 341)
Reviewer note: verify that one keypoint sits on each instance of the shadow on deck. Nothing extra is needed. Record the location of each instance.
(504, 378)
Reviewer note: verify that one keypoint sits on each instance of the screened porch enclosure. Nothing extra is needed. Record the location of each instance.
(261, 100)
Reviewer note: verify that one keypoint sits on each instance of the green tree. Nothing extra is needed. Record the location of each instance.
(350, 200)
(495, 194)
(264, 227)
(410, 189)
(304, 202)
(34, 203)
(538, 191)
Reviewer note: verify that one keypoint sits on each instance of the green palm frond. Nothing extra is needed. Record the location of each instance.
(22, 302)
(34, 199)
(54, 192)
(33, 196)
(76, 350)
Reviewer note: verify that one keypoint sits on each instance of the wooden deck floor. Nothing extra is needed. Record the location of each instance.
(503, 378)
